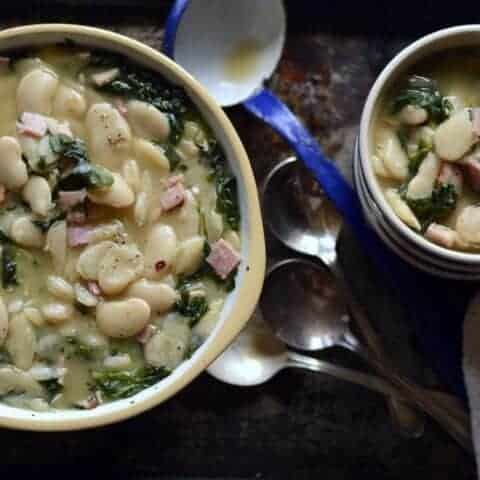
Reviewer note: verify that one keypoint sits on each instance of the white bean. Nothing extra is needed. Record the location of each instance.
(36, 91)
(21, 341)
(13, 171)
(468, 225)
(213, 225)
(421, 185)
(34, 316)
(3, 321)
(15, 305)
(108, 134)
(123, 318)
(119, 195)
(160, 296)
(161, 246)
(84, 297)
(69, 103)
(189, 255)
(56, 244)
(147, 121)
(166, 350)
(26, 234)
(454, 137)
(107, 231)
(151, 154)
(60, 288)
(120, 266)
(119, 362)
(56, 313)
(131, 174)
(233, 238)
(89, 260)
(14, 380)
(413, 115)
(394, 157)
(38, 195)
(401, 209)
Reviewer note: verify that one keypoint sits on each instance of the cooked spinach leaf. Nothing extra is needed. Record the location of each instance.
(75, 348)
(86, 175)
(123, 384)
(9, 266)
(74, 149)
(415, 159)
(194, 307)
(44, 225)
(172, 156)
(53, 387)
(423, 92)
(442, 202)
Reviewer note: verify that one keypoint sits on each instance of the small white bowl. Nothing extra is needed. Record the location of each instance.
(412, 247)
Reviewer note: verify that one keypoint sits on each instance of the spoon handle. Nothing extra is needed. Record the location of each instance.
(454, 420)
(407, 420)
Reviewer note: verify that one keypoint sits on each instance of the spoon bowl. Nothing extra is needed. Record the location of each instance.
(230, 47)
(297, 211)
(302, 306)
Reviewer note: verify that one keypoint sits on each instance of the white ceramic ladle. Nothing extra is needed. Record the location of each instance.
(232, 47)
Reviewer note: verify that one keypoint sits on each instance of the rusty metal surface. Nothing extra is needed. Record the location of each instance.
(299, 426)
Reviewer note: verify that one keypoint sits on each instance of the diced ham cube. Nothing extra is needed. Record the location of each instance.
(94, 288)
(476, 121)
(32, 124)
(473, 169)
(172, 197)
(103, 78)
(223, 258)
(76, 217)
(79, 236)
(146, 334)
(121, 106)
(441, 235)
(173, 180)
(451, 175)
(68, 199)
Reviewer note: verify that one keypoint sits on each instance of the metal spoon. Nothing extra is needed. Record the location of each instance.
(307, 223)
(257, 355)
(303, 307)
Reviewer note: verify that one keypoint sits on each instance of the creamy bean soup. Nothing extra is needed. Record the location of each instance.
(118, 228)
(427, 150)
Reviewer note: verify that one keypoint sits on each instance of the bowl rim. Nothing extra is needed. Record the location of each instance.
(247, 291)
(421, 47)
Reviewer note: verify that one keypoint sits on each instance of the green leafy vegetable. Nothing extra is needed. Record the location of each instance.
(177, 128)
(442, 202)
(225, 184)
(172, 156)
(9, 266)
(415, 159)
(75, 348)
(115, 385)
(53, 387)
(195, 343)
(67, 147)
(423, 92)
(86, 175)
(194, 307)
(44, 225)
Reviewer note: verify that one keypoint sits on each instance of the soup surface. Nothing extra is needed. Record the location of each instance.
(118, 227)
(427, 150)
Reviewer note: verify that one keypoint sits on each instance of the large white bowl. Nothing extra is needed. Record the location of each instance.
(239, 304)
(411, 246)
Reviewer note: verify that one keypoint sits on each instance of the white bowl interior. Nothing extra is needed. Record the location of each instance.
(442, 40)
(117, 410)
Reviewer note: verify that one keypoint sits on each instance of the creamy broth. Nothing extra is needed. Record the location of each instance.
(427, 152)
(119, 228)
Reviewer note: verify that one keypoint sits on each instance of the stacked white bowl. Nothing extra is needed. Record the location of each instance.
(400, 238)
